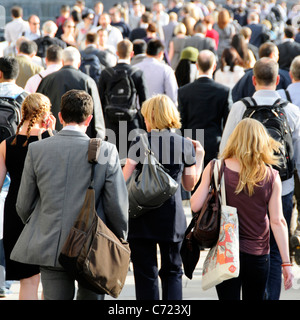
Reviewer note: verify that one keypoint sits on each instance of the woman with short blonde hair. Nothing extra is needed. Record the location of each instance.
(164, 226)
(161, 113)
(254, 188)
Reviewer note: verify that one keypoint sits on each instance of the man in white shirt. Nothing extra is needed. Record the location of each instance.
(114, 34)
(53, 63)
(33, 32)
(160, 78)
(15, 28)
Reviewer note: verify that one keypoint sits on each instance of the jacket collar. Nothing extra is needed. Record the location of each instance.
(67, 132)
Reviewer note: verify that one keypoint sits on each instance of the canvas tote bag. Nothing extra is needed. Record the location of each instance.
(222, 260)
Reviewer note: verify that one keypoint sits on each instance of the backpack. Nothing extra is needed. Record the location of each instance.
(275, 121)
(121, 95)
(10, 116)
(91, 66)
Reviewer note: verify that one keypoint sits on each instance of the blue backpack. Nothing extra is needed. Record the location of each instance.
(91, 66)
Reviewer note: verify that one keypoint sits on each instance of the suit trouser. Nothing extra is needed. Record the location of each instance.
(58, 285)
(144, 259)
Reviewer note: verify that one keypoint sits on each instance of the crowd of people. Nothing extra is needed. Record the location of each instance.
(178, 72)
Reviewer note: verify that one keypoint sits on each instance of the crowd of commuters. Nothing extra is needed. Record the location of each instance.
(183, 68)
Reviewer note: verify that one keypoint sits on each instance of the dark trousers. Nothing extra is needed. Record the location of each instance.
(251, 280)
(144, 260)
(275, 276)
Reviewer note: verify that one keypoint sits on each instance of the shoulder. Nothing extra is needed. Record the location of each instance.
(220, 87)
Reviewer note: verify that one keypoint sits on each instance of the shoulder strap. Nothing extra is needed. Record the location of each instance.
(249, 102)
(288, 96)
(93, 154)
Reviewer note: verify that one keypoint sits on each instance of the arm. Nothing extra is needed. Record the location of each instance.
(28, 191)
(234, 117)
(191, 175)
(98, 118)
(3, 169)
(201, 193)
(170, 84)
(115, 197)
(280, 231)
(128, 168)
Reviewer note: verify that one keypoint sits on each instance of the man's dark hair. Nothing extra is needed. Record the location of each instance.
(16, 11)
(155, 47)
(54, 53)
(91, 37)
(9, 67)
(265, 71)
(266, 49)
(76, 106)
(28, 47)
(139, 46)
(289, 32)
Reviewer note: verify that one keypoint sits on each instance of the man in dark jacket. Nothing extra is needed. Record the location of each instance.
(245, 88)
(48, 38)
(288, 49)
(203, 105)
(56, 84)
(124, 52)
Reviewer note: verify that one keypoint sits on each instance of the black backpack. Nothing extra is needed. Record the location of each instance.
(91, 66)
(274, 119)
(10, 116)
(121, 95)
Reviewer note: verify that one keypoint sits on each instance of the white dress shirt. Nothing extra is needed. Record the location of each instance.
(160, 78)
(14, 29)
(33, 82)
(268, 97)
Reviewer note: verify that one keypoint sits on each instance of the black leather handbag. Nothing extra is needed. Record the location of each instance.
(207, 220)
(149, 187)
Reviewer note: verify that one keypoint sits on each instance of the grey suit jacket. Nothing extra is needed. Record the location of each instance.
(200, 43)
(54, 182)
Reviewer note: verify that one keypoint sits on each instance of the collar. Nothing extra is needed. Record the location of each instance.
(127, 61)
(266, 94)
(72, 128)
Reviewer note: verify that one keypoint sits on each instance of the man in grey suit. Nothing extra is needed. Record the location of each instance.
(199, 40)
(55, 179)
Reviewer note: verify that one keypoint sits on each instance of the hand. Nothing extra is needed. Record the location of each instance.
(287, 277)
(50, 122)
(198, 147)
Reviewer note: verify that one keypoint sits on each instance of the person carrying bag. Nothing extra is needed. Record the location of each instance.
(253, 187)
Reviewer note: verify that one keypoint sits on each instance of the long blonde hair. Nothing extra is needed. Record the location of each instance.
(33, 109)
(161, 113)
(252, 146)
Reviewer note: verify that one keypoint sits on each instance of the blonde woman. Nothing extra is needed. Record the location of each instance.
(254, 188)
(166, 225)
(34, 125)
(177, 44)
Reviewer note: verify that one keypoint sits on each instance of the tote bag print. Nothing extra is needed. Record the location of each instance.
(222, 261)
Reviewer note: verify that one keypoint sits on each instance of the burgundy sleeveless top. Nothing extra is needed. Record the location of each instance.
(252, 211)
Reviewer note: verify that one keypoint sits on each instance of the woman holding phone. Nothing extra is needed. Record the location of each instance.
(36, 123)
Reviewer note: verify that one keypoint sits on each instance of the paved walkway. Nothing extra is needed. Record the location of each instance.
(191, 288)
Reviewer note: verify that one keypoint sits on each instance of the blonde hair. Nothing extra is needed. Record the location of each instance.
(161, 113)
(33, 110)
(252, 146)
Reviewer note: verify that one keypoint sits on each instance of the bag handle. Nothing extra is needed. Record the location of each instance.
(93, 154)
(220, 180)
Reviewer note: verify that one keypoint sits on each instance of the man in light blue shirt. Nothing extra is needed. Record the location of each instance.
(160, 78)
(266, 95)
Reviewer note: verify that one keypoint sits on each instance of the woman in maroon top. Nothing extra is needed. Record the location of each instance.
(254, 188)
